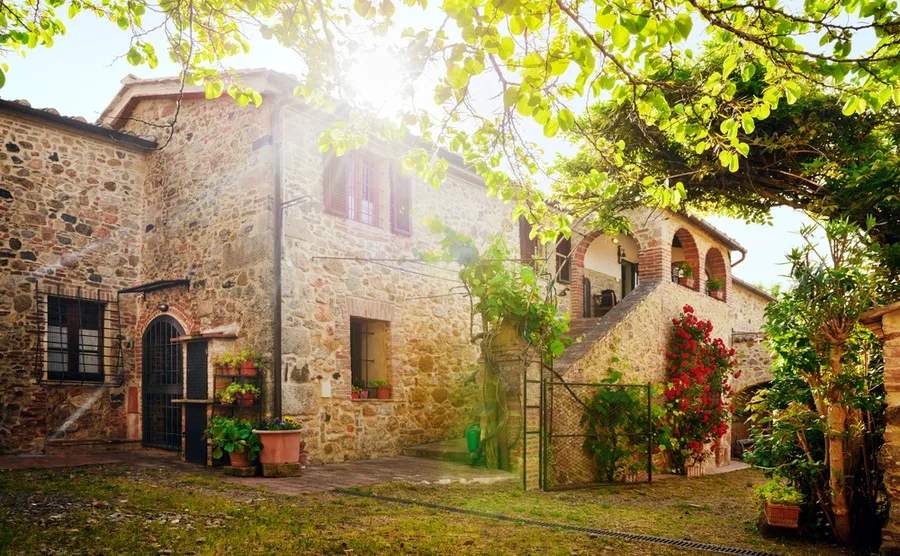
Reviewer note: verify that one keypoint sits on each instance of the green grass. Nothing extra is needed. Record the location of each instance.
(121, 509)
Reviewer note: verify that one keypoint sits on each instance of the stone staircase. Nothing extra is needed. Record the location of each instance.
(453, 450)
(592, 330)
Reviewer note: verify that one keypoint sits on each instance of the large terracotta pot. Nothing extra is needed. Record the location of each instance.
(383, 393)
(239, 459)
(779, 515)
(246, 399)
(279, 446)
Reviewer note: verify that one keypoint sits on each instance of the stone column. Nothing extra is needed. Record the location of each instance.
(885, 323)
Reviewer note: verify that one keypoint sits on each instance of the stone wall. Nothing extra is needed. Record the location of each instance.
(71, 217)
(327, 281)
(207, 217)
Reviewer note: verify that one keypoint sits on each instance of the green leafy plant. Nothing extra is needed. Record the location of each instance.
(773, 492)
(234, 390)
(619, 429)
(224, 360)
(380, 383)
(715, 284)
(684, 269)
(226, 435)
(251, 356)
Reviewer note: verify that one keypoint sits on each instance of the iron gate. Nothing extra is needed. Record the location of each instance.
(162, 383)
(594, 433)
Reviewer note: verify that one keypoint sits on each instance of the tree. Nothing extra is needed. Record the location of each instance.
(808, 155)
(824, 417)
(540, 62)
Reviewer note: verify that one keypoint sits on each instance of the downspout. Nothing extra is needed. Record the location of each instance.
(278, 184)
(739, 261)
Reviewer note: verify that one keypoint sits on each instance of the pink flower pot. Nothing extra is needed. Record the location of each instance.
(279, 446)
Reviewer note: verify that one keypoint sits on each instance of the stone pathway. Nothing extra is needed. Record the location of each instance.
(353, 474)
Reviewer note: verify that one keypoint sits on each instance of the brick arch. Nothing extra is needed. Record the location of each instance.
(189, 325)
(691, 253)
(576, 274)
(715, 262)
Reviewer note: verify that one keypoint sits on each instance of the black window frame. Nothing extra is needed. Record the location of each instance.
(76, 315)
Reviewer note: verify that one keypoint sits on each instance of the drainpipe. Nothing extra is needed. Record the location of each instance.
(277, 163)
(739, 261)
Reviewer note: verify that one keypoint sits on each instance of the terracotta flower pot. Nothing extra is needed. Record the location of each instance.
(228, 370)
(383, 393)
(364, 394)
(354, 395)
(248, 368)
(686, 282)
(239, 459)
(778, 515)
(279, 446)
(694, 470)
(246, 399)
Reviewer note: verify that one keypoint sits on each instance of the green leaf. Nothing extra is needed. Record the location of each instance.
(2, 79)
(134, 57)
(606, 21)
(457, 77)
(551, 127)
(620, 36)
(213, 89)
(849, 107)
(684, 24)
(748, 72)
(747, 123)
(510, 96)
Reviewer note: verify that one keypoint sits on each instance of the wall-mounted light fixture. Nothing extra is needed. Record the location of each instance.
(620, 253)
(163, 308)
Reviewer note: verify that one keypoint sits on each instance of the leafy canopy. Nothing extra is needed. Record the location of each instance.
(501, 68)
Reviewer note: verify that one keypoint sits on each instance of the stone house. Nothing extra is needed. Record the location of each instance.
(132, 255)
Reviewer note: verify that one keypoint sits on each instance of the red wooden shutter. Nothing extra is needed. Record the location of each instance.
(401, 201)
(526, 244)
(563, 262)
(336, 183)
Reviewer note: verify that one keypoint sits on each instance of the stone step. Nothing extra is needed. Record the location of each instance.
(454, 450)
(57, 446)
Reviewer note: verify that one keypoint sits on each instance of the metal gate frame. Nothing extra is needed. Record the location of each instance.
(158, 335)
(548, 381)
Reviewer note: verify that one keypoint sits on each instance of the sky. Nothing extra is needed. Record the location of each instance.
(82, 73)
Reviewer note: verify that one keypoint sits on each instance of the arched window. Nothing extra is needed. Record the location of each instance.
(716, 274)
(685, 260)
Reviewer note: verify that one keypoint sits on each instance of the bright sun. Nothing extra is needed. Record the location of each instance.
(378, 79)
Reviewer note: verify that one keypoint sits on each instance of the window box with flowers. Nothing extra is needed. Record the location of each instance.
(714, 287)
(683, 274)
(780, 504)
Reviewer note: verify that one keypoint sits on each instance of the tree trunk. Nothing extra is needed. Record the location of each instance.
(837, 425)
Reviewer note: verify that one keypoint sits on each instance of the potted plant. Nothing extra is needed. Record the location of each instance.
(780, 504)
(239, 394)
(685, 274)
(355, 392)
(382, 389)
(714, 287)
(249, 362)
(235, 438)
(280, 440)
(224, 364)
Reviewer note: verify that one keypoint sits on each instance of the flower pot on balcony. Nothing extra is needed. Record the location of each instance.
(279, 446)
(778, 515)
(383, 393)
(686, 282)
(247, 399)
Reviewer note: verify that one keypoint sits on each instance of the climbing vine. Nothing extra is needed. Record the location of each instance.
(503, 292)
(698, 370)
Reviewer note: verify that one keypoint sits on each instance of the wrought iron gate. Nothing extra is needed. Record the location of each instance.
(162, 383)
(591, 433)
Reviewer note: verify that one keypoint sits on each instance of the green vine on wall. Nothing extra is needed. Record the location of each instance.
(502, 291)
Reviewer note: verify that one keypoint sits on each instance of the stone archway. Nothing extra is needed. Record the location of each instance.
(684, 249)
(715, 268)
(577, 271)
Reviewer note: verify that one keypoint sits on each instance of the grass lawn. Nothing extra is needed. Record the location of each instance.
(125, 509)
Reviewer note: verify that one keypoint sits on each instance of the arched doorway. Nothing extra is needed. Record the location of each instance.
(161, 383)
(604, 270)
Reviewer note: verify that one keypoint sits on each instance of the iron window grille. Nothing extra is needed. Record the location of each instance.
(360, 334)
(78, 337)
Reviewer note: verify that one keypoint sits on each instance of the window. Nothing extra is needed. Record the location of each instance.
(527, 246)
(74, 339)
(352, 190)
(368, 351)
(351, 187)
(563, 264)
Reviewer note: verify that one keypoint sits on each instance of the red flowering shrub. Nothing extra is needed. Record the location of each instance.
(697, 370)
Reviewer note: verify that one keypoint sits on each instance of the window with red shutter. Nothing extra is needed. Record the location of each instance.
(336, 184)
(563, 264)
(401, 201)
(526, 244)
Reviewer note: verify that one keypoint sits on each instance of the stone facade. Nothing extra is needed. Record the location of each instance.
(71, 219)
(83, 211)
